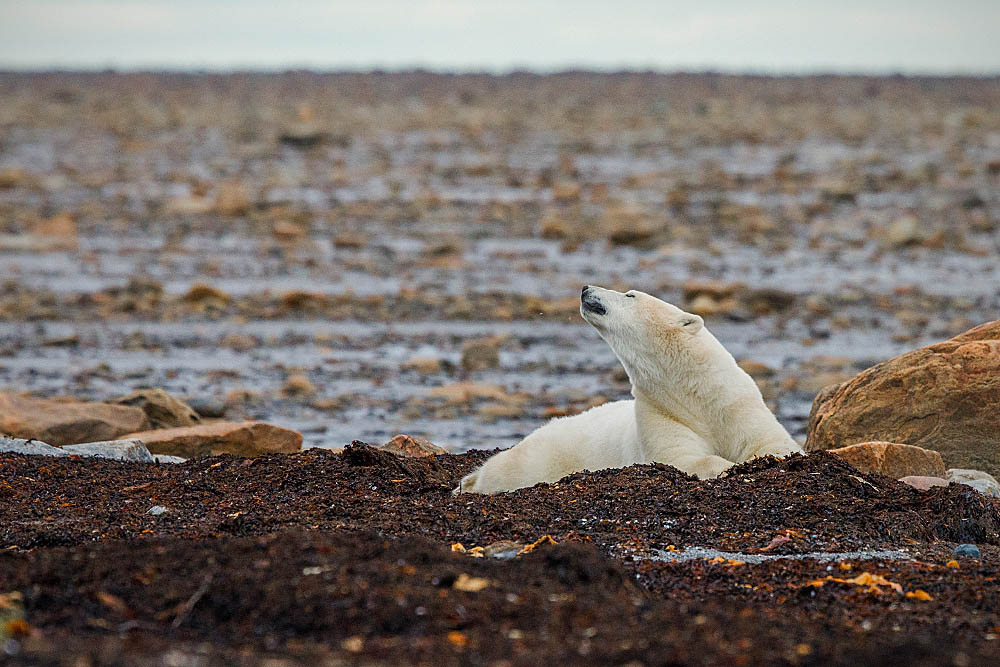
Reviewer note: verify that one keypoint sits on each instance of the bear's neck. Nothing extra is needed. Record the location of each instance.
(721, 405)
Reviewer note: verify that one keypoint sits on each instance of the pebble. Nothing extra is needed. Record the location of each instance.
(156, 510)
(967, 551)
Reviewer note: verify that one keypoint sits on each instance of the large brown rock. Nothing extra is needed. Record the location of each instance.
(242, 438)
(892, 459)
(162, 409)
(60, 422)
(944, 397)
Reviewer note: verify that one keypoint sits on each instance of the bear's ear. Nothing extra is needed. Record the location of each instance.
(691, 323)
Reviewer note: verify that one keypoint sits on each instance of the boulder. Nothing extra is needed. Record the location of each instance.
(921, 483)
(412, 446)
(247, 438)
(944, 397)
(121, 450)
(34, 447)
(67, 422)
(892, 459)
(977, 479)
(162, 409)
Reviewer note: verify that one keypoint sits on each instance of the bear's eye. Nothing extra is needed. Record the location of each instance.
(630, 295)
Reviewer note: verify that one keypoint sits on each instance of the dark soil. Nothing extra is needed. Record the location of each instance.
(326, 558)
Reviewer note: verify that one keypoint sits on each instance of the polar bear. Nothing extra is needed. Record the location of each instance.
(693, 407)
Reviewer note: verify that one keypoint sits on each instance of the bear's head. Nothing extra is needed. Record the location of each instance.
(655, 341)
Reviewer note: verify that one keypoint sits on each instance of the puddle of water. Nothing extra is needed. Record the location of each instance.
(699, 553)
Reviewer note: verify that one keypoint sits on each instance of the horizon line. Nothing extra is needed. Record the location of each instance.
(762, 72)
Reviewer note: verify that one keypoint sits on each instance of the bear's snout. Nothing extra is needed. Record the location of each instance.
(591, 303)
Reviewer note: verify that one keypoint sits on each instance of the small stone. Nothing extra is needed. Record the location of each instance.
(704, 305)
(297, 386)
(756, 369)
(481, 354)
(502, 550)
(120, 450)
(288, 232)
(156, 510)
(424, 365)
(165, 458)
(412, 446)
(904, 231)
(967, 551)
(206, 295)
(922, 482)
(232, 199)
(210, 408)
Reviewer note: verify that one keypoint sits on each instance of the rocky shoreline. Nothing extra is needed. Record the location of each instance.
(210, 285)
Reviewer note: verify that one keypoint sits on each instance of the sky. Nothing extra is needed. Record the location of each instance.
(780, 36)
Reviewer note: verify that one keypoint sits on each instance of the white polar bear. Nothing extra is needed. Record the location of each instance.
(694, 408)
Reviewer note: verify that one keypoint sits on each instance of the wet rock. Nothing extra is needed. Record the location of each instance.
(892, 459)
(61, 230)
(412, 446)
(67, 422)
(188, 205)
(467, 392)
(209, 408)
(553, 226)
(297, 386)
(904, 231)
(207, 296)
(34, 447)
(424, 365)
(247, 438)
(240, 342)
(977, 479)
(717, 289)
(232, 199)
(923, 483)
(121, 450)
(162, 409)
(12, 177)
(288, 232)
(626, 225)
(756, 369)
(767, 301)
(944, 397)
(481, 354)
(967, 551)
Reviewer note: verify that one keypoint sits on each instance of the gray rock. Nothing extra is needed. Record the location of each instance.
(984, 487)
(22, 446)
(981, 481)
(121, 450)
(157, 510)
(166, 458)
(967, 551)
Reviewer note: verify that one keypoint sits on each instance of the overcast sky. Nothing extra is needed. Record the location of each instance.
(912, 36)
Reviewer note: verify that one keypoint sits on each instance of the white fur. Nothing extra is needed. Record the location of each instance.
(694, 408)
